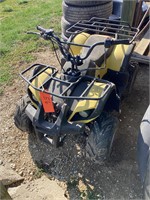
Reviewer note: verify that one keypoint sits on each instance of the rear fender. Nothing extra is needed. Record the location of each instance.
(78, 39)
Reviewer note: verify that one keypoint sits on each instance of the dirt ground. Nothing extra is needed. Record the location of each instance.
(82, 179)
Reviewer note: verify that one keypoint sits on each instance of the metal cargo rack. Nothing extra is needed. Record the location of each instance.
(112, 28)
(69, 85)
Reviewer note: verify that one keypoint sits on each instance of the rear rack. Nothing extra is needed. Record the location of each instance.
(103, 26)
(54, 77)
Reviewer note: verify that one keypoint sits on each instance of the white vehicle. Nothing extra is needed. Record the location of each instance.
(143, 150)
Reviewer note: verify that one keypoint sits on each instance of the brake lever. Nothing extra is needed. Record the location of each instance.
(47, 34)
(35, 33)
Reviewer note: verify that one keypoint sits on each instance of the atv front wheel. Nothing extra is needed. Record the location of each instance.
(99, 142)
(21, 119)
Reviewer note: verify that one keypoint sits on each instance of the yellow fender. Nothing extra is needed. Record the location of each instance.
(78, 39)
(115, 60)
(84, 105)
(37, 82)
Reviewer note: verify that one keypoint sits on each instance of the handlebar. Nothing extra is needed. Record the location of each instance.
(107, 44)
(39, 28)
(110, 42)
(48, 34)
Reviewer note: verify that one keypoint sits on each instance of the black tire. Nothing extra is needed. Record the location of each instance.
(37, 69)
(21, 119)
(99, 142)
(133, 71)
(74, 14)
(84, 3)
(64, 26)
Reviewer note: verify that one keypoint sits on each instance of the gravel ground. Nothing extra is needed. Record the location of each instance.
(82, 179)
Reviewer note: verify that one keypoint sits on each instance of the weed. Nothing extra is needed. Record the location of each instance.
(4, 76)
(23, 1)
(86, 192)
(1, 91)
(72, 183)
(90, 195)
(38, 173)
(8, 8)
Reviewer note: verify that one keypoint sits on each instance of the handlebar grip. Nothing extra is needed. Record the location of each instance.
(109, 42)
(123, 41)
(41, 29)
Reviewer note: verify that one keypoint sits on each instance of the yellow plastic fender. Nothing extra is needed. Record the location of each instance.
(78, 39)
(84, 105)
(115, 60)
(38, 81)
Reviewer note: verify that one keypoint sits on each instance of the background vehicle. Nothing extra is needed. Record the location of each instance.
(96, 74)
(143, 150)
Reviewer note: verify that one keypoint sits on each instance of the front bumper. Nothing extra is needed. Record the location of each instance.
(52, 133)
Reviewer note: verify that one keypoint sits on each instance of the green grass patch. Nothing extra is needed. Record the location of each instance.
(72, 183)
(18, 17)
(38, 173)
(8, 8)
(22, 1)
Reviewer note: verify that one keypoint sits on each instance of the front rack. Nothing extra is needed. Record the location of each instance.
(105, 27)
(69, 85)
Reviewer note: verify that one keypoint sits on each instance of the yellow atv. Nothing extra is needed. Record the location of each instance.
(81, 99)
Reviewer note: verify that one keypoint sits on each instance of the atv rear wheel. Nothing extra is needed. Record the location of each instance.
(100, 140)
(21, 119)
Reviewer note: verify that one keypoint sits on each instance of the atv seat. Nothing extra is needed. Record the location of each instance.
(118, 60)
(98, 53)
(96, 58)
(117, 56)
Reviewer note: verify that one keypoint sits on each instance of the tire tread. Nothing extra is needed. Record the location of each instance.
(100, 139)
(21, 120)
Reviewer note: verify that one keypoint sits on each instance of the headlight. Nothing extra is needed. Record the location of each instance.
(85, 113)
(82, 115)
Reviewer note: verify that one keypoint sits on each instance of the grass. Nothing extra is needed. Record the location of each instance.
(72, 183)
(38, 173)
(23, 1)
(85, 190)
(18, 17)
(7, 8)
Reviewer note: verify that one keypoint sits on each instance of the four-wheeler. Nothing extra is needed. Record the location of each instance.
(85, 96)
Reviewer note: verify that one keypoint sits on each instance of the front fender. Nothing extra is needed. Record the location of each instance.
(86, 111)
